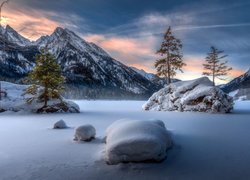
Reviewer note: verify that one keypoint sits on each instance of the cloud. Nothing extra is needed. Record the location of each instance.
(128, 50)
(181, 28)
(35, 23)
(135, 42)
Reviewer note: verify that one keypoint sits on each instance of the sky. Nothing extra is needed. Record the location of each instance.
(131, 31)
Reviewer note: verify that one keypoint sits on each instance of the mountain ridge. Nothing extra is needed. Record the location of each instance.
(84, 64)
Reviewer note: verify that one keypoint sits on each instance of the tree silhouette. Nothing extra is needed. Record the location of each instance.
(214, 65)
(171, 60)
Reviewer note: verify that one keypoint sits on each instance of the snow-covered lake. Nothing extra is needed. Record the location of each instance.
(207, 146)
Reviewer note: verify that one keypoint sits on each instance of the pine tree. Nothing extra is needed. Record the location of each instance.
(214, 66)
(171, 60)
(47, 74)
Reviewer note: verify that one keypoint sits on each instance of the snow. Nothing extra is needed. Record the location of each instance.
(195, 95)
(85, 133)
(60, 125)
(233, 93)
(136, 141)
(16, 100)
(206, 146)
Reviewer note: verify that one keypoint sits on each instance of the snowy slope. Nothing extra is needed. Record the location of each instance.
(242, 81)
(206, 146)
(16, 100)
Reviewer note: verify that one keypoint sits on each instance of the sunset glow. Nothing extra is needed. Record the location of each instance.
(135, 42)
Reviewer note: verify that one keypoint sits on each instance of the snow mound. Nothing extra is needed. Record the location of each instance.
(60, 125)
(195, 95)
(85, 133)
(16, 100)
(136, 141)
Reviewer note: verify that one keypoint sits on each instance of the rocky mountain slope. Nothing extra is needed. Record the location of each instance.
(240, 86)
(242, 81)
(16, 54)
(161, 82)
(88, 69)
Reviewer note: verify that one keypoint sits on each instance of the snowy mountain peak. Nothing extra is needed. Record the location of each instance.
(14, 37)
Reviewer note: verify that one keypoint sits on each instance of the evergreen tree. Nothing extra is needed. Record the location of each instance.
(214, 66)
(171, 60)
(47, 74)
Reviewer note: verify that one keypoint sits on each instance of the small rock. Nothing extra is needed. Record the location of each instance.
(60, 125)
(85, 133)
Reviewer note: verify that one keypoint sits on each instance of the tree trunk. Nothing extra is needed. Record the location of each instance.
(214, 73)
(169, 79)
(213, 80)
(45, 95)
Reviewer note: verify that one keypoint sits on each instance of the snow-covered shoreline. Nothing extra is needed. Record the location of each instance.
(206, 146)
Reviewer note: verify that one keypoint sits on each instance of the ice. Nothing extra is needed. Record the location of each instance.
(136, 141)
(206, 146)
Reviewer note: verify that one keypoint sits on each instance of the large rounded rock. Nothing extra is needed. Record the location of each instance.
(196, 95)
(85, 133)
(136, 141)
(60, 125)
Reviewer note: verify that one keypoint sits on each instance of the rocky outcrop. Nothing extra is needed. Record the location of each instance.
(17, 100)
(195, 95)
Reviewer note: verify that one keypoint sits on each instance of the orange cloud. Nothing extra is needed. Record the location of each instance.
(30, 24)
(33, 23)
(122, 45)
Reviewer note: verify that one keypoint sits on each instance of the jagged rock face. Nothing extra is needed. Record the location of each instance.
(86, 63)
(16, 61)
(241, 82)
(11, 35)
(196, 95)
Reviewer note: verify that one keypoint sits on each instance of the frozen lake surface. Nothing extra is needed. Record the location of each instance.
(207, 146)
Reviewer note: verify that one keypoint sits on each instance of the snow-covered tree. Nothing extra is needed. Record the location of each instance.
(47, 74)
(214, 65)
(171, 60)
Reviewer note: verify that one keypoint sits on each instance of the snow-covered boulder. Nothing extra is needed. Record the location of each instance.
(17, 100)
(85, 133)
(60, 125)
(136, 141)
(195, 95)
